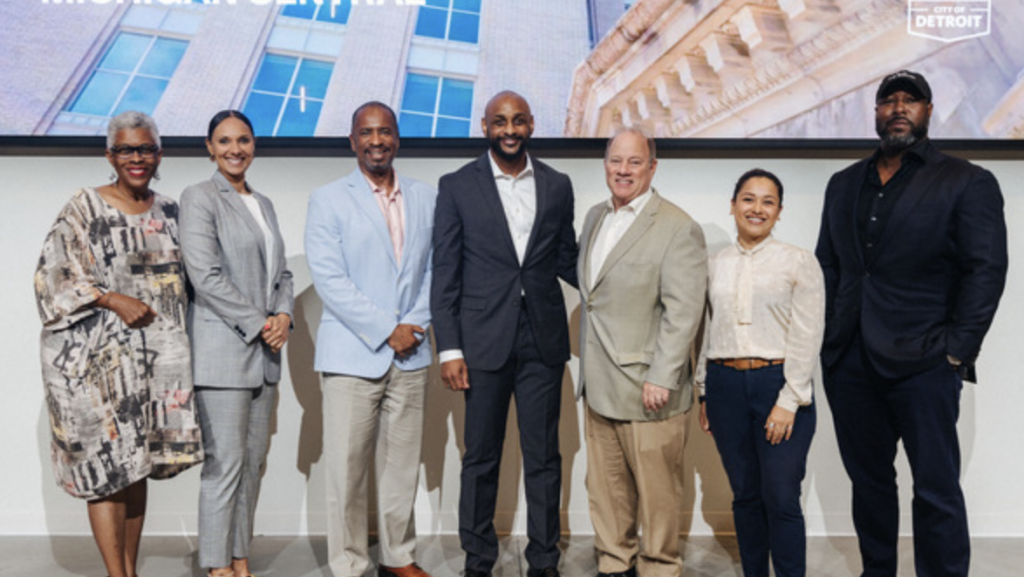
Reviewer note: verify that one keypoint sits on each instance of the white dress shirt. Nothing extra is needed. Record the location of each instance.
(518, 196)
(767, 302)
(612, 228)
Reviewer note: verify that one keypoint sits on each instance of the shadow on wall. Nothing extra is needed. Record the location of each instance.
(444, 416)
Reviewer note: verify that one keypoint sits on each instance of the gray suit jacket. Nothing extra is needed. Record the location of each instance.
(225, 258)
(641, 315)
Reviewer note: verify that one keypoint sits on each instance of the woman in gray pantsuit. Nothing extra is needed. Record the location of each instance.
(239, 319)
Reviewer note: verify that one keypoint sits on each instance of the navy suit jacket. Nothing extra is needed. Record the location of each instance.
(933, 287)
(475, 295)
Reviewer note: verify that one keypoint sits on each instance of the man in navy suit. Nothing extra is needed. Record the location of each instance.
(913, 247)
(503, 236)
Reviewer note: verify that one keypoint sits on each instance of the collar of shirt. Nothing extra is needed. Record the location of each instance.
(498, 174)
(917, 153)
(635, 206)
(757, 248)
(387, 194)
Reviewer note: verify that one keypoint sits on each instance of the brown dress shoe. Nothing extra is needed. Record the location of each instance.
(410, 570)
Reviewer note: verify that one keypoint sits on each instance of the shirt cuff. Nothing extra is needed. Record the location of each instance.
(449, 355)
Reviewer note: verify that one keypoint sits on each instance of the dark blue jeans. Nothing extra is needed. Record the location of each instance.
(765, 478)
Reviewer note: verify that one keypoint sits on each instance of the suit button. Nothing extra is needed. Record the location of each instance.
(590, 307)
(277, 286)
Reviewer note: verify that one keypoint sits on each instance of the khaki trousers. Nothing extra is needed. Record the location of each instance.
(379, 421)
(635, 483)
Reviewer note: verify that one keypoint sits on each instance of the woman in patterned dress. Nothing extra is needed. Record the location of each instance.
(110, 288)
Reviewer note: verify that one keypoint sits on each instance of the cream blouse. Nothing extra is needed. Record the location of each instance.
(767, 302)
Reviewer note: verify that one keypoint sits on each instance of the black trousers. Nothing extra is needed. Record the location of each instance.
(537, 391)
(871, 415)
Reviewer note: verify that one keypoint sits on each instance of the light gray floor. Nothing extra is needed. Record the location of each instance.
(441, 556)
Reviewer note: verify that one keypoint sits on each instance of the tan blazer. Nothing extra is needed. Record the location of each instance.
(640, 317)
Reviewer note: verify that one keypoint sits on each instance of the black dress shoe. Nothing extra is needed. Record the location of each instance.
(545, 572)
(630, 573)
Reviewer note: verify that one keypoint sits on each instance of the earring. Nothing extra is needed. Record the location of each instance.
(113, 176)
(156, 175)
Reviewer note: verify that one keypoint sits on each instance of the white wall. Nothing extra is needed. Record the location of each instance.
(292, 501)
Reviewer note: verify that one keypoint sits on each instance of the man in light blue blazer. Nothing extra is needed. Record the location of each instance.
(368, 244)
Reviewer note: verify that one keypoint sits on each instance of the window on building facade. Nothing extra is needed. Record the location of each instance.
(435, 106)
(334, 11)
(287, 95)
(132, 75)
(457, 20)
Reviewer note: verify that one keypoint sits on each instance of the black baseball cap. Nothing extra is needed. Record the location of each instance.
(906, 80)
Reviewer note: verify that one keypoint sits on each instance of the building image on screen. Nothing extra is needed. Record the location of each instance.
(781, 69)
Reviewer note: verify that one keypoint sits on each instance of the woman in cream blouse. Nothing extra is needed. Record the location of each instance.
(766, 318)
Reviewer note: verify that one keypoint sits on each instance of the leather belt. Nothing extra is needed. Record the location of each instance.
(748, 364)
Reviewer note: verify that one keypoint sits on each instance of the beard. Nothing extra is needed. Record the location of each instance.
(495, 144)
(896, 143)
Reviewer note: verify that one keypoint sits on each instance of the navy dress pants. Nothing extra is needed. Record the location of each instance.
(871, 415)
(537, 389)
(765, 478)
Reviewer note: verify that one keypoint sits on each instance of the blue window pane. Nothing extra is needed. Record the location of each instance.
(336, 12)
(143, 94)
(314, 76)
(299, 120)
(410, 124)
(467, 5)
(263, 110)
(456, 98)
(124, 54)
(420, 93)
(275, 73)
(465, 27)
(452, 127)
(100, 93)
(431, 22)
(439, 3)
(300, 10)
(163, 59)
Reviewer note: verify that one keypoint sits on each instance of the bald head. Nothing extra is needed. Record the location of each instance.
(504, 96)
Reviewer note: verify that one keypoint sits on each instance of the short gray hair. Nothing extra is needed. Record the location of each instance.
(652, 147)
(128, 120)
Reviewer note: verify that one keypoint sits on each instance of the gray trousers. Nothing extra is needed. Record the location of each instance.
(236, 434)
(379, 421)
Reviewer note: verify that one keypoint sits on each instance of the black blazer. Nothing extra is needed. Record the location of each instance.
(933, 287)
(477, 278)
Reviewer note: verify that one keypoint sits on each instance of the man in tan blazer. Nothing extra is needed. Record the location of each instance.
(642, 273)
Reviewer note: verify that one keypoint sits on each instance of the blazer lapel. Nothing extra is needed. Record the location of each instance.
(643, 221)
(268, 214)
(411, 208)
(232, 198)
(847, 205)
(363, 197)
(490, 196)
(919, 186)
(540, 182)
(588, 236)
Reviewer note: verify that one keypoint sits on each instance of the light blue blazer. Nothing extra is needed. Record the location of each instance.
(365, 292)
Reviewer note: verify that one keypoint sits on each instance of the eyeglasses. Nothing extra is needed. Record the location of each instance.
(125, 152)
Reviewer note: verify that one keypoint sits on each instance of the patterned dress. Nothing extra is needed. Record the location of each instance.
(120, 400)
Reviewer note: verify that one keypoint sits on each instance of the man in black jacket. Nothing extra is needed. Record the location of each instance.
(913, 247)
